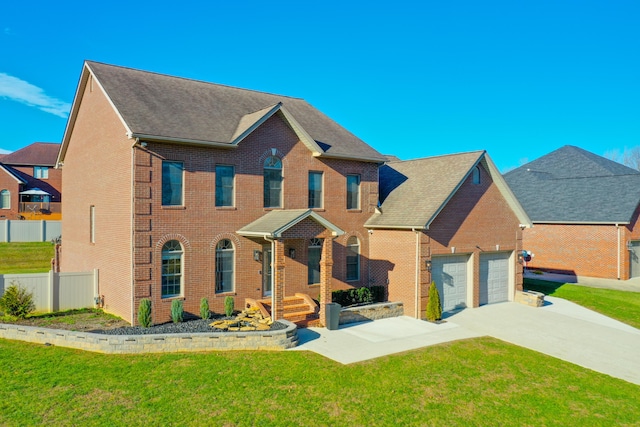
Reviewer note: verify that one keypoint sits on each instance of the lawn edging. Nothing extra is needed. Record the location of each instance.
(275, 340)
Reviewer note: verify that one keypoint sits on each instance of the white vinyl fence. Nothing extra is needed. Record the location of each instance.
(56, 291)
(29, 231)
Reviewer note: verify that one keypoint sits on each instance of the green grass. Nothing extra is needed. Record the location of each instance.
(31, 257)
(621, 305)
(477, 382)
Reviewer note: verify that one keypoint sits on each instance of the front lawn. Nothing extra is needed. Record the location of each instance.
(480, 381)
(621, 305)
(25, 257)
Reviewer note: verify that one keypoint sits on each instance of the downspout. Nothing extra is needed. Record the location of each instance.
(273, 276)
(417, 278)
(132, 228)
(619, 242)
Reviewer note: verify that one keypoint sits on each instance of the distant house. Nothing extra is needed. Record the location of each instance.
(451, 219)
(181, 189)
(585, 210)
(30, 186)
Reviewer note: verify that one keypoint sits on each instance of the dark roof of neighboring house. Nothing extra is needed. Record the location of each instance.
(414, 192)
(572, 185)
(173, 109)
(36, 154)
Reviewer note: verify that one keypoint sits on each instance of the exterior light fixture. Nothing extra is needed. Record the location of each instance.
(292, 253)
(428, 265)
(257, 255)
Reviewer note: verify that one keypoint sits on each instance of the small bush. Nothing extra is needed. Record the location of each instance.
(228, 306)
(363, 295)
(347, 297)
(204, 308)
(434, 309)
(144, 313)
(177, 312)
(17, 301)
(378, 293)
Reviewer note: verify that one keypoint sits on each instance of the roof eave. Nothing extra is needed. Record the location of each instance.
(175, 140)
(378, 160)
(583, 222)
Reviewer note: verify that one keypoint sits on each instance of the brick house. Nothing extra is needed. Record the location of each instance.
(585, 209)
(181, 189)
(30, 186)
(448, 219)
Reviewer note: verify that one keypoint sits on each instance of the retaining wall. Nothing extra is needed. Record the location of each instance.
(371, 312)
(156, 343)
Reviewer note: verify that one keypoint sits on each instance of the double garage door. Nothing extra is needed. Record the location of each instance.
(451, 275)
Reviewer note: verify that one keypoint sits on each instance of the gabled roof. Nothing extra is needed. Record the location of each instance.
(571, 185)
(274, 223)
(157, 107)
(36, 154)
(414, 192)
(16, 175)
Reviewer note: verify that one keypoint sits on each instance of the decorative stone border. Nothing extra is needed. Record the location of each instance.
(378, 311)
(280, 339)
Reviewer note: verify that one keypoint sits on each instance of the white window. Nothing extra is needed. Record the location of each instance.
(5, 199)
(41, 172)
(224, 266)
(171, 269)
(272, 182)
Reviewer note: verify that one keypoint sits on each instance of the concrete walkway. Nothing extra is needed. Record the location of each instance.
(560, 329)
(631, 285)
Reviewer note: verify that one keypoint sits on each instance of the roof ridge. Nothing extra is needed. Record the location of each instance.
(437, 156)
(193, 80)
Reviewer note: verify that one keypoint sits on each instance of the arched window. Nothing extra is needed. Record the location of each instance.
(224, 266)
(314, 253)
(272, 182)
(476, 175)
(172, 269)
(5, 199)
(353, 258)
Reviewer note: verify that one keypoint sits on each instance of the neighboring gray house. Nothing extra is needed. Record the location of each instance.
(585, 209)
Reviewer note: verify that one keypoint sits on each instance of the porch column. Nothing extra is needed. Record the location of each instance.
(326, 273)
(277, 311)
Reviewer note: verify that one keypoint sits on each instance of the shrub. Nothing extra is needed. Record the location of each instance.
(434, 309)
(378, 293)
(347, 297)
(363, 295)
(204, 308)
(144, 313)
(228, 306)
(177, 312)
(17, 301)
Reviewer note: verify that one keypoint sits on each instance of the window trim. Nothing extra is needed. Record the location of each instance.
(171, 254)
(5, 194)
(357, 183)
(41, 172)
(315, 244)
(181, 202)
(349, 247)
(320, 191)
(220, 187)
(271, 166)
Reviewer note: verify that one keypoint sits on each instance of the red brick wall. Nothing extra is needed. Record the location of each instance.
(199, 225)
(97, 170)
(8, 182)
(476, 219)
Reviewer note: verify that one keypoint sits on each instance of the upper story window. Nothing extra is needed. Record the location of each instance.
(353, 191)
(5, 199)
(224, 185)
(172, 177)
(272, 182)
(315, 189)
(353, 258)
(224, 266)
(476, 175)
(41, 172)
(171, 269)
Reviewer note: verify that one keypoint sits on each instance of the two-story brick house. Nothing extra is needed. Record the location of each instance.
(176, 188)
(30, 186)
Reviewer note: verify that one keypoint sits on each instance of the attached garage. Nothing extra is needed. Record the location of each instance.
(634, 258)
(494, 277)
(450, 274)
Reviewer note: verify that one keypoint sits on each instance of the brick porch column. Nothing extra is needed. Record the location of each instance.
(326, 273)
(277, 311)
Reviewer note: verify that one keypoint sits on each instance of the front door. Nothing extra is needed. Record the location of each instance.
(267, 279)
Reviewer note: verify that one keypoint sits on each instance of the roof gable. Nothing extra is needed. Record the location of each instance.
(172, 109)
(414, 192)
(571, 185)
(274, 223)
(36, 154)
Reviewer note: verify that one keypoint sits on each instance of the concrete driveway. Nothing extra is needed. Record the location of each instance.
(560, 329)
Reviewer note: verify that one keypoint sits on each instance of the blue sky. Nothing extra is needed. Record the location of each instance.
(415, 79)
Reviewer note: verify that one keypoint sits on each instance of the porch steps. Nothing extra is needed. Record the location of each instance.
(300, 309)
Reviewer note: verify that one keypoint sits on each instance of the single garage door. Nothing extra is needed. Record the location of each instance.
(634, 258)
(494, 277)
(450, 275)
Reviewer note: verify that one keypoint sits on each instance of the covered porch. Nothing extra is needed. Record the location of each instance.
(282, 231)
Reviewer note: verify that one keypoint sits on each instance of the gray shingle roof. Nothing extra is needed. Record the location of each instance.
(274, 223)
(180, 109)
(413, 192)
(571, 185)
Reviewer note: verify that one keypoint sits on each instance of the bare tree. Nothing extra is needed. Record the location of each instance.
(631, 158)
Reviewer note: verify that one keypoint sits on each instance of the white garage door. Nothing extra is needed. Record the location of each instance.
(450, 275)
(494, 277)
